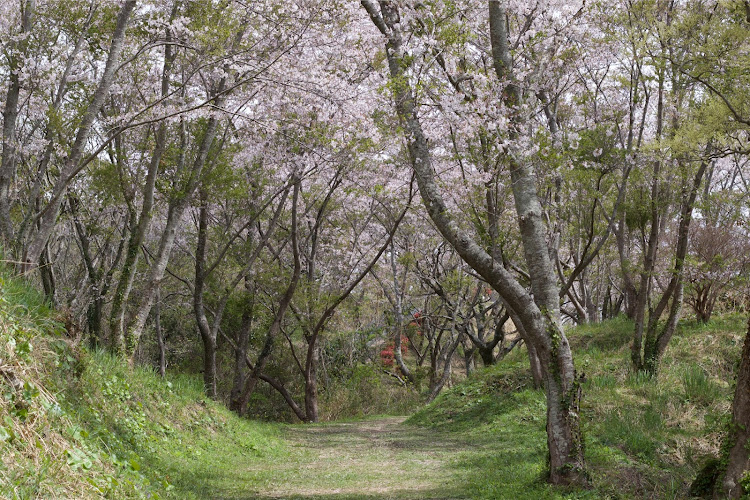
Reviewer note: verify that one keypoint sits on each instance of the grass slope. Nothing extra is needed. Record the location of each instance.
(644, 438)
(80, 425)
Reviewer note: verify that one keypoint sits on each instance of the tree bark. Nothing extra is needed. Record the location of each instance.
(540, 313)
(739, 436)
(127, 276)
(440, 382)
(652, 245)
(10, 115)
(207, 337)
(257, 371)
(160, 336)
(240, 350)
(656, 341)
(69, 170)
(99, 280)
(398, 312)
(177, 208)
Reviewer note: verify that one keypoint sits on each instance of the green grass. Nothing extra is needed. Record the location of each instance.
(180, 442)
(126, 433)
(84, 425)
(644, 437)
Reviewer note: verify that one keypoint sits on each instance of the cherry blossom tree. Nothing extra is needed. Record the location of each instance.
(538, 313)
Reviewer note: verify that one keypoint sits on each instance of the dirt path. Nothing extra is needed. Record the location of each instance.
(381, 458)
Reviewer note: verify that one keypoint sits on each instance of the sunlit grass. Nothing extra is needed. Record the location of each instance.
(645, 437)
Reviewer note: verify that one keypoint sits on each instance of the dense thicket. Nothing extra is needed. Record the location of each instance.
(283, 194)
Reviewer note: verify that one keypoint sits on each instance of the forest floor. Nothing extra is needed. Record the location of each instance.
(378, 458)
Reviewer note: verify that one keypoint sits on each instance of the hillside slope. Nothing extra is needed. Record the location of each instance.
(644, 438)
(80, 425)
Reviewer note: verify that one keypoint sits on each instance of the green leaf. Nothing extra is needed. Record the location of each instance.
(78, 459)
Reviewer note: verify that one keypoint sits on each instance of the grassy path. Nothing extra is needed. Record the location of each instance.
(381, 458)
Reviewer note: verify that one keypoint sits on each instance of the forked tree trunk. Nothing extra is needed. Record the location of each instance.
(256, 372)
(539, 314)
(656, 340)
(127, 276)
(445, 375)
(177, 208)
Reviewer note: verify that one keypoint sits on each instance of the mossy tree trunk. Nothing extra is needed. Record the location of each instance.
(738, 463)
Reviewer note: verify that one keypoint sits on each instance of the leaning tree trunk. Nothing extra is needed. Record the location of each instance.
(312, 337)
(138, 236)
(177, 209)
(539, 313)
(738, 463)
(256, 373)
(70, 168)
(447, 359)
(537, 369)
(656, 341)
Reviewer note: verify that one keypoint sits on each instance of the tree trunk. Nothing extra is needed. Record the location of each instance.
(446, 373)
(209, 368)
(207, 336)
(470, 364)
(10, 115)
(539, 313)
(537, 369)
(398, 321)
(656, 341)
(160, 336)
(177, 208)
(738, 463)
(70, 168)
(311, 382)
(47, 275)
(240, 349)
(487, 354)
(256, 372)
(649, 256)
(127, 276)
